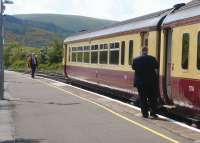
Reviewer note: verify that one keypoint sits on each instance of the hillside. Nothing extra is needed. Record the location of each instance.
(29, 33)
(68, 22)
(39, 30)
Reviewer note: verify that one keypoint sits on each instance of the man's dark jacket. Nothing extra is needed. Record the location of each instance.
(145, 70)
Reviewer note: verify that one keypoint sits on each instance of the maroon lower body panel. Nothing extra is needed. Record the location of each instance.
(186, 92)
(119, 79)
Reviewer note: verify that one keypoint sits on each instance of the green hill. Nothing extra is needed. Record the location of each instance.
(68, 22)
(29, 33)
(39, 30)
(25, 31)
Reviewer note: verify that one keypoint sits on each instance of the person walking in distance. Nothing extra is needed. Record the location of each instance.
(145, 81)
(32, 63)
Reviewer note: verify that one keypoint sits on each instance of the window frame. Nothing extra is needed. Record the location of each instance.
(122, 46)
(79, 50)
(114, 49)
(94, 50)
(86, 49)
(130, 55)
(73, 51)
(103, 50)
(188, 54)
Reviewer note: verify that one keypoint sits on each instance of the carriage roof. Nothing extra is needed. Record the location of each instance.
(191, 9)
(150, 20)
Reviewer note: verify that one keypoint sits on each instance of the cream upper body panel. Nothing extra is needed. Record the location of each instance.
(126, 38)
(192, 71)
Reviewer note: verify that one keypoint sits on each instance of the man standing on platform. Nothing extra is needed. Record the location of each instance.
(145, 80)
(32, 63)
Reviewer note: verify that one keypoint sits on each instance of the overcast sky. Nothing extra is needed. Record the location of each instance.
(106, 9)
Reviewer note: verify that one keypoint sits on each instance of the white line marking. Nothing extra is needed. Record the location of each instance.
(59, 84)
(113, 112)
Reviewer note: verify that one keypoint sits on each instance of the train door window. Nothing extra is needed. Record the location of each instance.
(185, 50)
(114, 53)
(144, 39)
(198, 51)
(86, 55)
(122, 52)
(103, 57)
(130, 51)
(94, 54)
(74, 54)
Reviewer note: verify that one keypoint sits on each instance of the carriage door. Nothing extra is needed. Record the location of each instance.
(168, 65)
(144, 39)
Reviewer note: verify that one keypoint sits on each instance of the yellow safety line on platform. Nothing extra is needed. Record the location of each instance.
(117, 114)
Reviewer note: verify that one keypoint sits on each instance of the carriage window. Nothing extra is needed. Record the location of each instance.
(114, 53)
(86, 55)
(79, 56)
(185, 50)
(74, 49)
(198, 51)
(122, 52)
(103, 54)
(94, 57)
(94, 54)
(130, 51)
(112, 45)
(73, 57)
(114, 57)
(101, 46)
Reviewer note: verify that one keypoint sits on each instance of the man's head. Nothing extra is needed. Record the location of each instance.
(33, 54)
(144, 51)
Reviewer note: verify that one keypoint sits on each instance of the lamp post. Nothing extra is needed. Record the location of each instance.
(2, 8)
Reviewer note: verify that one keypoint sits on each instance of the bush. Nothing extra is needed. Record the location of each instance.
(51, 67)
(55, 52)
(19, 65)
(49, 59)
(6, 57)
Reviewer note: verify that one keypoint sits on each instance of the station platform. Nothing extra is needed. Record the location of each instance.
(47, 111)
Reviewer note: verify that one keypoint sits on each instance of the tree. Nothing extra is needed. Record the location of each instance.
(6, 56)
(43, 56)
(55, 52)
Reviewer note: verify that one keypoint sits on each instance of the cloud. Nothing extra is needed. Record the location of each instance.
(106, 9)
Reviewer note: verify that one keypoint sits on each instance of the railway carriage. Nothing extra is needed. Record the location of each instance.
(103, 57)
(180, 60)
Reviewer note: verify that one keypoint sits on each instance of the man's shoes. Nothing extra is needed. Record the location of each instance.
(145, 115)
(153, 115)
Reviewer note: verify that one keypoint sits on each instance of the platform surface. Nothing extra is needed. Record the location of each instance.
(47, 111)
